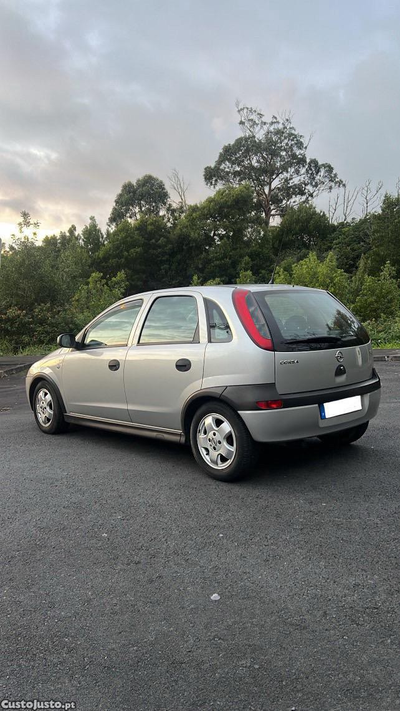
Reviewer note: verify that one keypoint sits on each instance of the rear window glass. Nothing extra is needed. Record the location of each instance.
(309, 320)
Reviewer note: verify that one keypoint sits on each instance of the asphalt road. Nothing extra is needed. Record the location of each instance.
(112, 546)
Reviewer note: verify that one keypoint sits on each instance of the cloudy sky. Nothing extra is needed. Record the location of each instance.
(96, 92)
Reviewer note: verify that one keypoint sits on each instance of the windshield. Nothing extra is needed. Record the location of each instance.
(309, 320)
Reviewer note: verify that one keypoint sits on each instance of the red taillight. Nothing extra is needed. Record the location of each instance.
(270, 404)
(241, 299)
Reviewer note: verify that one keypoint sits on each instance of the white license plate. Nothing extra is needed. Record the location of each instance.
(340, 407)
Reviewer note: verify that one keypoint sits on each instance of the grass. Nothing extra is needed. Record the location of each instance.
(389, 344)
(41, 349)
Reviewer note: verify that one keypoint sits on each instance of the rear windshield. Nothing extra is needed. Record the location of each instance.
(309, 320)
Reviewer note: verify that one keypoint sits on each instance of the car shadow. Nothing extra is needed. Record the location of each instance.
(307, 460)
(277, 463)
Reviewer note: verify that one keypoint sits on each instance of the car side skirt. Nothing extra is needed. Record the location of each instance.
(126, 427)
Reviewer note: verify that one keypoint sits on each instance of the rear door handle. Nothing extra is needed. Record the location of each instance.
(114, 364)
(183, 364)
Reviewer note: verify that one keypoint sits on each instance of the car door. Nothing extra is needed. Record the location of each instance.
(93, 376)
(165, 364)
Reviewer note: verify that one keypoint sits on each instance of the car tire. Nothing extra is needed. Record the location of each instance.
(221, 443)
(47, 409)
(345, 436)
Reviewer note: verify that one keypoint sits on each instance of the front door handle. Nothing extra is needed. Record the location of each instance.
(183, 364)
(114, 364)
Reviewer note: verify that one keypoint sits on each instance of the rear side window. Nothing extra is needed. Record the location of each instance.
(218, 326)
(171, 319)
(309, 320)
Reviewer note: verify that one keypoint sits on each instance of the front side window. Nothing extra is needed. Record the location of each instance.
(113, 329)
(171, 319)
(309, 320)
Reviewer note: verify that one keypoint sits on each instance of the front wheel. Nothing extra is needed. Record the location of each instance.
(221, 443)
(345, 436)
(47, 410)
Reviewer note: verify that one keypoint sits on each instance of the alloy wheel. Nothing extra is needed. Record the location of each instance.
(216, 441)
(44, 407)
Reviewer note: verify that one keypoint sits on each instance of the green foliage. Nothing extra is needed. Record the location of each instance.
(272, 158)
(30, 328)
(96, 295)
(142, 250)
(92, 237)
(318, 274)
(384, 333)
(351, 242)
(386, 235)
(379, 296)
(148, 196)
(213, 237)
(246, 276)
(20, 329)
(302, 229)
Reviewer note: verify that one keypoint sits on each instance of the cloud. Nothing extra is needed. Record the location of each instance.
(97, 93)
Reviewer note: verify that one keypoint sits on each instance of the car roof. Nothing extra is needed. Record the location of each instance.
(218, 288)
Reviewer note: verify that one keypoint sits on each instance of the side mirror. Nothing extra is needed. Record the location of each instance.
(66, 340)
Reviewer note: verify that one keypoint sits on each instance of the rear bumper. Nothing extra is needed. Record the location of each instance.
(304, 420)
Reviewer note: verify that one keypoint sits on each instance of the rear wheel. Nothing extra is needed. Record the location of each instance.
(345, 436)
(47, 410)
(221, 443)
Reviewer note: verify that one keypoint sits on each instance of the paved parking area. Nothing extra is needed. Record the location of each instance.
(111, 548)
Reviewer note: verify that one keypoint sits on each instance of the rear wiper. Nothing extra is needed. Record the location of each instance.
(314, 339)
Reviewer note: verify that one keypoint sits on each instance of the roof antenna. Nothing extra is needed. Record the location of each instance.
(271, 281)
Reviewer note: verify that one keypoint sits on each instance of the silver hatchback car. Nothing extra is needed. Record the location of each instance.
(219, 367)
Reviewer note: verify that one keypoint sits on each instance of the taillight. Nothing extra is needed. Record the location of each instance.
(251, 318)
(269, 404)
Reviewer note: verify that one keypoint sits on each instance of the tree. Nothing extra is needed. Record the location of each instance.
(351, 242)
(303, 228)
(148, 196)
(213, 237)
(96, 295)
(26, 224)
(140, 249)
(318, 274)
(272, 158)
(379, 296)
(92, 237)
(246, 276)
(370, 197)
(180, 187)
(124, 205)
(386, 235)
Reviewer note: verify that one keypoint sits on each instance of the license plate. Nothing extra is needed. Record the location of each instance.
(340, 407)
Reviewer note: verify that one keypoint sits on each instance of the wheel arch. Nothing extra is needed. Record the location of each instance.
(193, 403)
(42, 377)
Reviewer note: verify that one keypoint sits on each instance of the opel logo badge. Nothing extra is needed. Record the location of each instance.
(339, 356)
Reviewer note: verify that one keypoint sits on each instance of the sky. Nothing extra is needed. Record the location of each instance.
(97, 92)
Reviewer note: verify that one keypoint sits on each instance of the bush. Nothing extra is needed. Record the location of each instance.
(384, 333)
(318, 274)
(37, 330)
(379, 297)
